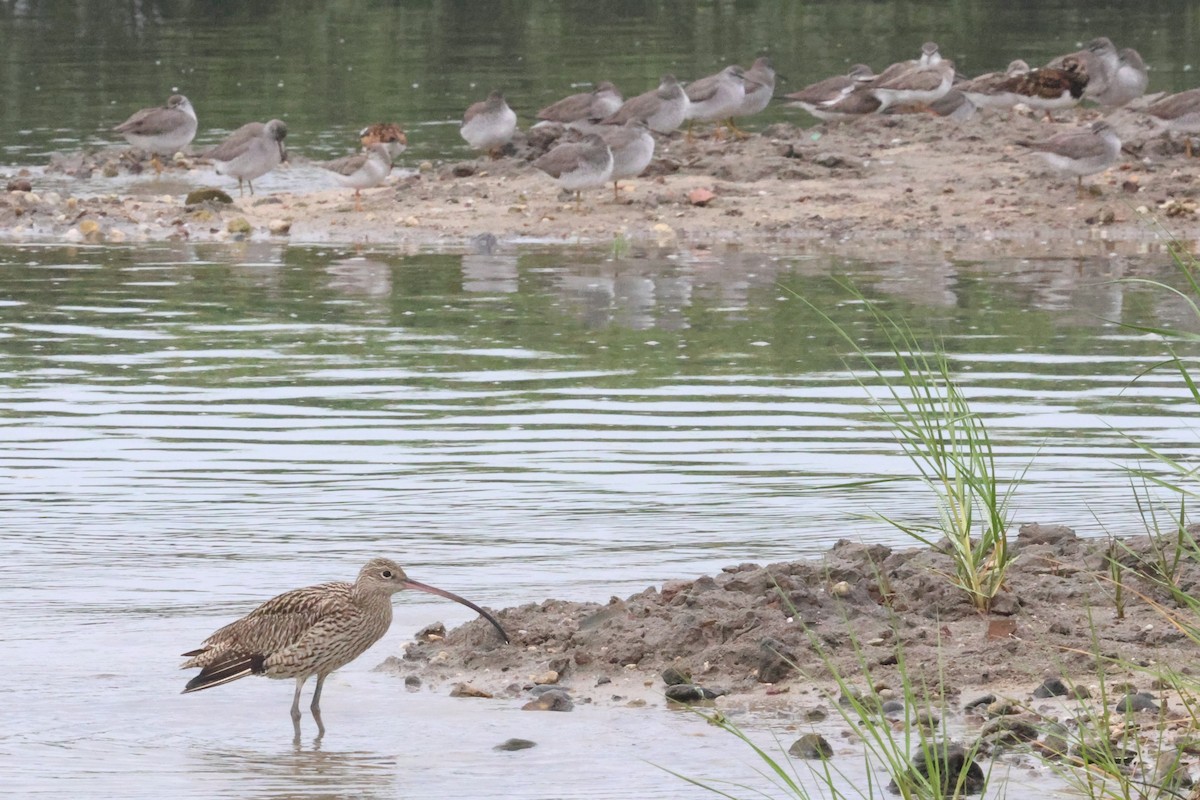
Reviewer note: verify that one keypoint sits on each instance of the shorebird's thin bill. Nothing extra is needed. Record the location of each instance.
(424, 587)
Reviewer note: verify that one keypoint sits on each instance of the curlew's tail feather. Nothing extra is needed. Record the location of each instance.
(225, 672)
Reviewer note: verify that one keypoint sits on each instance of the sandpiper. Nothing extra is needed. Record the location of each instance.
(924, 84)
(717, 97)
(362, 170)
(632, 148)
(601, 102)
(816, 97)
(759, 88)
(386, 133)
(1127, 83)
(930, 56)
(1082, 152)
(1177, 113)
(489, 124)
(664, 109)
(985, 92)
(251, 151)
(857, 104)
(163, 130)
(1049, 88)
(578, 165)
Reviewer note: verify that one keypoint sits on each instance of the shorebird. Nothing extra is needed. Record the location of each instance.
(1082, 152)
(985, 92)
(759, 87)
(250, 152)
(1049, 88)
(580, 165)
(310, 631)
(1178, 113)
(930, 56)
(386, 133)
(1128, 83)
(924, 84)
(601, 102)
(817, 97)
(163, 130)
(664, 109)
(632, 147)
(363, 170)
(489, 124)
(716, 97)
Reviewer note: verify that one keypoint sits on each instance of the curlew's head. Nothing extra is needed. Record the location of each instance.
(385, 575)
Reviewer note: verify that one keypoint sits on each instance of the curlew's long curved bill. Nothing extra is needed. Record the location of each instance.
(424, 587)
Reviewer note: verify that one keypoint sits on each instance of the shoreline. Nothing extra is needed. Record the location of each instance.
(881, 184)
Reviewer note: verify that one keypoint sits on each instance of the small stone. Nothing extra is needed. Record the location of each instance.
(701, 196)
(411, 222)
(20, 185)
(89, 227)
(672, 676)
(116, 236)
(279, 227)
(774, 662)
(467, 690)
(811, 746)
(239, 225)
(689, 693)
(816, 714)
(1136, 701)
(840, 589)
(412, 682)
(512, 745)
(425, 166)
(985, 700)
(955, 769)
(1051, 687)
(546, 678)
(553, 700)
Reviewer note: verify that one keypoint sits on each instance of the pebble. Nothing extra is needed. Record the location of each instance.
(690, 693)
(811, 746)
(512, 745)
(546, 678)
(553, 700)
(673, 676)
(279, 227)
(239, 225)
(1136, 701)
(1051, 687)
(467, 690)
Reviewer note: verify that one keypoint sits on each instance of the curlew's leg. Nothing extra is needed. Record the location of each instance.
(315, 708)
(296, 699)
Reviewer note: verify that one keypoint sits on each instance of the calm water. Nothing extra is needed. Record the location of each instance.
(70, 71)
(190, 429)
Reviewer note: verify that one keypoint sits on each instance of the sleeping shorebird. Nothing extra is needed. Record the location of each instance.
(601, 102)
(985, 91)
(759, 88)
(1177, 113)
(1081, 152)
(924, 84)
(162, 130)
(250, 152)
(1127, 83)
(489, 124)
(716, 97)
(1049, 88)
(816, 98)
(632, 148)
(363, 170)
(663, 109)
(310, 631)
(580, 165)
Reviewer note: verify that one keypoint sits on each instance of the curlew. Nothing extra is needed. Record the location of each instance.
(310, 631)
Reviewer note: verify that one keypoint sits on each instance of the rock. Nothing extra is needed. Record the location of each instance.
(985, 700)
(811, 746)
(467, 690)
(512, 745)
(546, 678)
(1034, 533)
(1136, 701)
(893, 709)
(953, 767)
(279, 227)
(690, 693)
(774, 661)
(412, 682)
(553, 700)
(831, 160)
(1009, 730)
(198, 196)
(673, 676)
(1052, 687)
(116, 236)
(463, 170)
(701, 196)
(89, 227)
(19, 185)
(239, 225)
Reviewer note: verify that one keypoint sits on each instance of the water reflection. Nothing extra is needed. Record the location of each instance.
(306, 770)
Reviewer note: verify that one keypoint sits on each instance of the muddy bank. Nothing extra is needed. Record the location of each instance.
(857, 605)
(897, 182)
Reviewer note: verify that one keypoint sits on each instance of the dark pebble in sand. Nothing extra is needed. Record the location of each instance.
(552, 700)
(512, 745)
(412, 682)
(1052, 687)
(1140, 701)
(673, 677)
(954, 768)
(985, 700)
(690, 693)
(19, 185)
(811, 745)
(198, 196)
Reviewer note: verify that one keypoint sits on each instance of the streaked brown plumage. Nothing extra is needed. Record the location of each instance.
(310, 631)
(1048, 88)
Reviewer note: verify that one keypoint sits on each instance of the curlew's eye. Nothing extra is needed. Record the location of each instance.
(387, 573)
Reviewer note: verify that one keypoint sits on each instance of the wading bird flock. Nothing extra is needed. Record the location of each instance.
(603, 137)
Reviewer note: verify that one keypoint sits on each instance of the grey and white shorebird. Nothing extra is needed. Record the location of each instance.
(1177, 113)
(1127, 83)
(162, 130)
(923, 84)
(759, 87)
(576, 166)
(817, 97)
(250, 152)
(1079, 153)
(985, 90)
(632, 149)
(716, 97)
(664, 109)
(931, 56)
(310, 631)
(601, 102)
(363, 170)
(489, 124)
